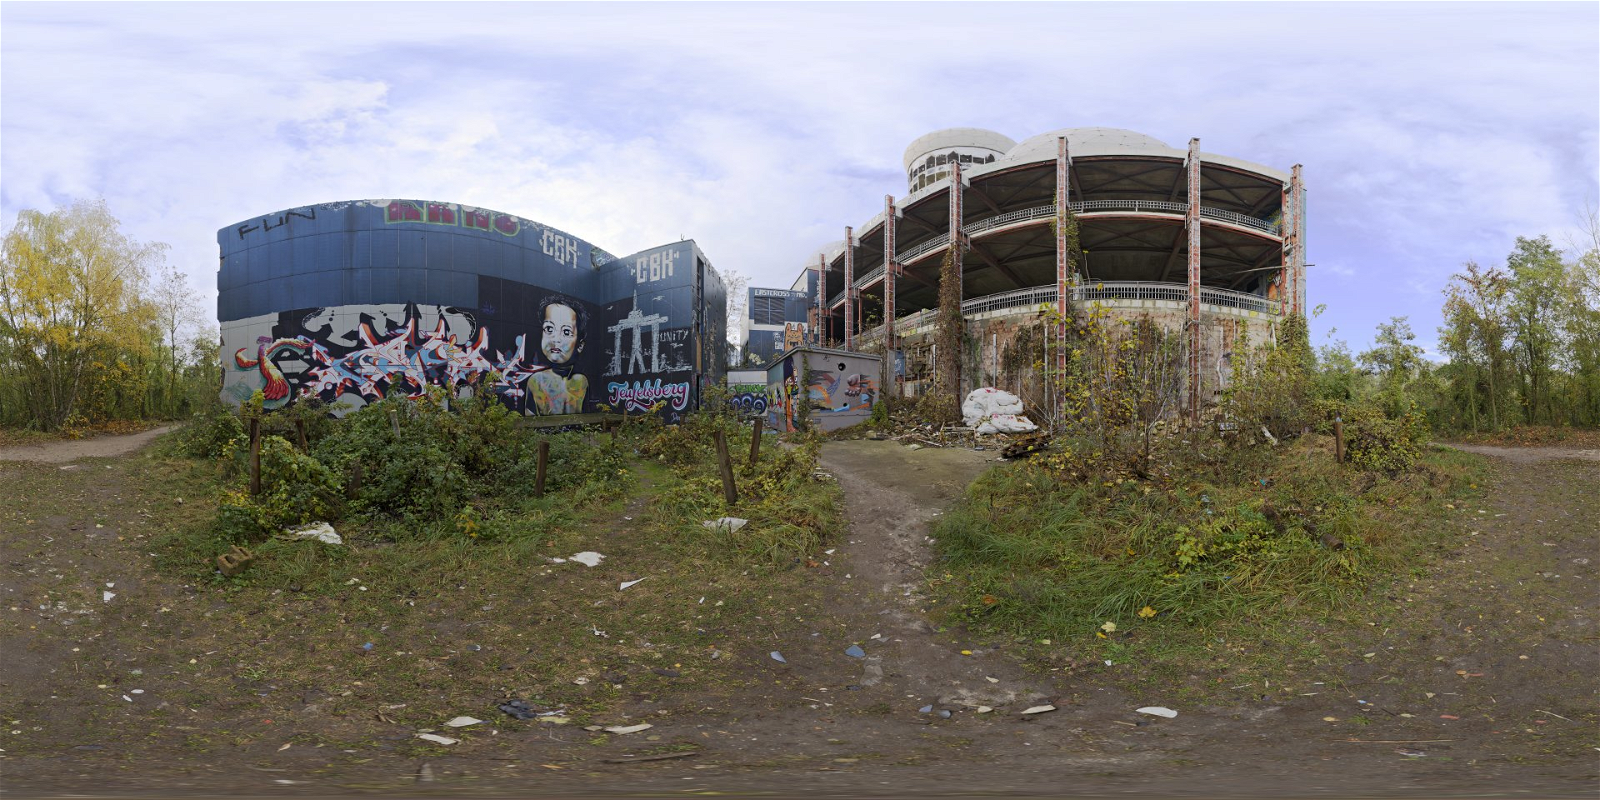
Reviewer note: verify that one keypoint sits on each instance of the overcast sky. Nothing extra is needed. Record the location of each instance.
(1431, 133)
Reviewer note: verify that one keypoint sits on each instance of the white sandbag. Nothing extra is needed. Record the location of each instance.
(1006, 423)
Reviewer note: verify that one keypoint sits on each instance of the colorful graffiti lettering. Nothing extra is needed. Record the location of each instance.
(397, 358)
(451, 214)
(643, 395)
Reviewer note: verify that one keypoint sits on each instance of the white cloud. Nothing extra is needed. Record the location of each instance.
(1429, 135)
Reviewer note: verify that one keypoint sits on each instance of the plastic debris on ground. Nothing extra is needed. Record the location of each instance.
(778, 657)
(990, 410)
(730, 524)
(643, 726)
(925, 710)
(626, 584)
(321, 531)
(1038, 710)
(462, 722)
(855, 651)
(521, 709)
(588, 558)
(1158, 711)
(106, 597)
(437, 739)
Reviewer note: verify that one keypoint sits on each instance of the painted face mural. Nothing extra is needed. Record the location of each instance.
(559, 339)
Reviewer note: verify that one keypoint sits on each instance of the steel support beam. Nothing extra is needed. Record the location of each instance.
(999, 267)
(1193, 223)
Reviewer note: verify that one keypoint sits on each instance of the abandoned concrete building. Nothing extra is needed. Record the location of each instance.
(1206, 245)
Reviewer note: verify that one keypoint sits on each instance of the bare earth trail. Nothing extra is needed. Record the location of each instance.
(1483, 687)
(67, 451)
(1527, 455)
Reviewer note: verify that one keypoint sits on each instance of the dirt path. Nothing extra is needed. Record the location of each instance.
(1527, 455)
(1481, 683)
(99, 447)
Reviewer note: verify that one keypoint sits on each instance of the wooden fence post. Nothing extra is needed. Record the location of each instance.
(353, 489)
(729, 491)
(394, 422)
(755, 443)
(1338, 439)
(255, 456)
(300, 427)
(538, 479)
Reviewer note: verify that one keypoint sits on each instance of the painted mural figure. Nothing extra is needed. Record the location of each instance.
(559, 388)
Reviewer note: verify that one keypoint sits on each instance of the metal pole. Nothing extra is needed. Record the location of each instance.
(889, 277)
(1063, 261)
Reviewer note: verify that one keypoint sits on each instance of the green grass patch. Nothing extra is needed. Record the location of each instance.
(1216, 543)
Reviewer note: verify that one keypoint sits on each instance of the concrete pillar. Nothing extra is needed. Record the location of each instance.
(1286, 231)
(889, 269)
(849, 288)
(1192, 221)
(957, 238)
(823, 311)
(1298, 268)
(1063, 259)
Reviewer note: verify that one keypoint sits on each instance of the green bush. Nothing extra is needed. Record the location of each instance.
(214, 434)
(1375, 442)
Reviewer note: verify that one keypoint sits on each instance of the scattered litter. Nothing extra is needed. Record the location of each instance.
(1038, 710)
(588, 558)
(1448, 716)
(1409, 753)
(778, 657)
(106, 596)
(462, 722)
(367, 646)
(554, 720)
(519, 709)
(728, 524)
(876, 636)
(928, 709)
(136, 691)
(580, 681)
(991, 680)
(437, 739)
(984, 709)
(656, 757)
(626, 584)
(944, 713)
(621, 729)
(424, 773)
(321, 531)
(1158, 711)
(855, 651)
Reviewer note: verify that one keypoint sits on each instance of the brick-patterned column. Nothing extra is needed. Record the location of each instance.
(889, 269)
(1063, 259)
(1286, 257)
(1298, 189)
(1192, 220)
(957, 238)
(849, 288)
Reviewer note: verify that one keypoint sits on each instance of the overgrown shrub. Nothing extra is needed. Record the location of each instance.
(1378, 443)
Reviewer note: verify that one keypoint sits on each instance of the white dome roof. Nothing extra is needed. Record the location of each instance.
(1090, 142)
(956, 137)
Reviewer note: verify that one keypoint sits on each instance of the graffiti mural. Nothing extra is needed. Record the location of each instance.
(839, 389)
(747, 393)
(358, 354)
(644, 395)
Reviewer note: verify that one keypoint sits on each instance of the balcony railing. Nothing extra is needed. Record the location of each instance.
(1108, 292)
(1090, 206)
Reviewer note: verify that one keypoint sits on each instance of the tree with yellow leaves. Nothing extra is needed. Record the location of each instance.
(72, 312)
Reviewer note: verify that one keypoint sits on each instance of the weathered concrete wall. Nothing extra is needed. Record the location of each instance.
(1005, 350)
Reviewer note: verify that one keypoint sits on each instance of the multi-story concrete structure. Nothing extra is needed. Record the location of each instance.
(1206, 244)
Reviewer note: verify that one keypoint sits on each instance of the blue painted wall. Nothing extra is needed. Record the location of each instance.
(342, 300)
